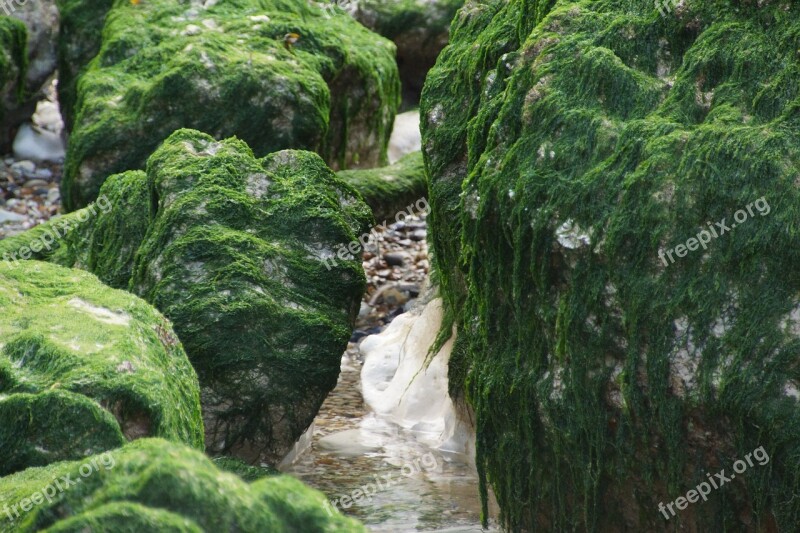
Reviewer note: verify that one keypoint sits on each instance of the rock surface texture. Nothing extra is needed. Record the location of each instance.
(226, 69)
(84, 368)
(231, 248)
(155, 485)
(418, 28)
(13, 64)
(619, 344)
(390, 189)
(41, 21)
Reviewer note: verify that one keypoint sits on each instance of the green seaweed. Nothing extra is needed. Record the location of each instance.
(155, 485)
(225, 70)
(635, 130)
(83, 368)
(236, 252)
(13, 67)
(391, 189)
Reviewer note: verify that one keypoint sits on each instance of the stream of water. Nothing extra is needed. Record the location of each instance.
(407, 486)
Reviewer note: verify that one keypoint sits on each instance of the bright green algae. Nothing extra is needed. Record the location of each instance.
(102, 237)
(155, 485)
(83, 368)
(391, 189)
(225, 70)
(231, 249)
(603, 381)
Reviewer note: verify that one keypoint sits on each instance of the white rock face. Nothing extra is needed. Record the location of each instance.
(38, 145)
(396, 383)
(42, 140)
(406, 137)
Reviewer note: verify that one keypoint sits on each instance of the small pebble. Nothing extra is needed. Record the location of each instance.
(395, 258)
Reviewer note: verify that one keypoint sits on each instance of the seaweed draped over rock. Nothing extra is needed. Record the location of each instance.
(568, 146)
(223, 68)
(83, 368)
(155, 485)
(231, 249)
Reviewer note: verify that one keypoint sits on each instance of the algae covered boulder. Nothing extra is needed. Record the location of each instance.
(13, 64)
(226, 68)
(155, 485)
(614, 197)
(84, 368)
(390, 189)
(419, 29)
(234, 257)
(237, 253)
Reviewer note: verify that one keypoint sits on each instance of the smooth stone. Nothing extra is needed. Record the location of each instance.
(348, 443)
(8, 216)
(395, 258)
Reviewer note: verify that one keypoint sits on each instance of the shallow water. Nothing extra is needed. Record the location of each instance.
(406, 485)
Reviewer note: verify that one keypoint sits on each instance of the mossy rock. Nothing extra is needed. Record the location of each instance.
(101, 238)
(234, 256)
(225, 69)
(238, 253)
(79, 41)
(391, 189)
(153, 485)
(13, 67)
(84, 368)
(569, 144)
(419, 29)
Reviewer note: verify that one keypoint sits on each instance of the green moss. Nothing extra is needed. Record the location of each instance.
(80, 37)
(155, 485)
(84, 367)
(13, 66)
(164, 65)
(243, 470)
(390, 189)
(238, 253)
(102, 237)
(234, 257)
(639, 130)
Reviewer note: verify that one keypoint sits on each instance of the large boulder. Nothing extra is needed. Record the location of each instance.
(239, 253)
(225, 68)
(420, 30)
(618, 342)
(154, 485)
(84, 368)
(13, 63)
